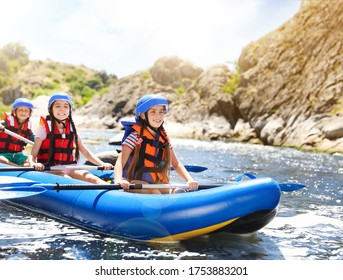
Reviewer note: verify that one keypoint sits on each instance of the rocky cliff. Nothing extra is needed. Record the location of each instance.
(291, 87)
(290, 91)
(199, 107)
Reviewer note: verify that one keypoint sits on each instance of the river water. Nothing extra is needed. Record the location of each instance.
(308, 226)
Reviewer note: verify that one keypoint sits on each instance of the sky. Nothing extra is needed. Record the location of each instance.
(125, 36)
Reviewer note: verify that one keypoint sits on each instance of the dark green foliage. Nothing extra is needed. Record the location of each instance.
(232, 85)
(79, 85)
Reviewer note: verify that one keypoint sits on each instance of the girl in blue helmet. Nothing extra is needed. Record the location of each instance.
(11, 148)
(147, 154)
(58, 143)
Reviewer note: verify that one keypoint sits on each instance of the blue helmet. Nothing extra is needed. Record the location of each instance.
(22, 102)
(148, 101)
(60, 96)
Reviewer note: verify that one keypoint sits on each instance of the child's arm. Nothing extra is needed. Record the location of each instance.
(181, 170)
(33, 155)
(39, 137)
(92, 157)
(119, 166)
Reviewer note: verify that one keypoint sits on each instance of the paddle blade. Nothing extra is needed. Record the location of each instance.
(10, 181)
(193, 168)
(20, 192)
(290, 186)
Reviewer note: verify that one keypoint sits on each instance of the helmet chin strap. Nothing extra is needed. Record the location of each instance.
(147, 123)
(61, 122)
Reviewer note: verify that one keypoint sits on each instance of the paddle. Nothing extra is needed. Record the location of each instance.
(18, 189)
(285, 187)
(9, 132)
(54, 168)
(20, 192)
(31, 190)
(190, 168)
(193, 168)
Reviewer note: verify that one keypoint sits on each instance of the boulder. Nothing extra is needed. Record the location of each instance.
(10, 94)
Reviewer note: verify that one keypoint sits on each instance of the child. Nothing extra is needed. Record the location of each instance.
(18, 122)
(57, 138)
(146, 153)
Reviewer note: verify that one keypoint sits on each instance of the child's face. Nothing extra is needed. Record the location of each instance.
(61, 109)
(156, 115)
(22, 113)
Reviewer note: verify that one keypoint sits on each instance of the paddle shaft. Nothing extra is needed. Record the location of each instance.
(55, 168)
(32, 188)
(190, 168)
(285, 187)
(19, 137)
(59, 187)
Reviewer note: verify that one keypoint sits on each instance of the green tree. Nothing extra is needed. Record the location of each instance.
(3, 65)
(12, 57)
(15, 51)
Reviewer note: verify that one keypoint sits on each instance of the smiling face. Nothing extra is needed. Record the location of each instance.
(61, 110)
(156, 115)
(22, 113)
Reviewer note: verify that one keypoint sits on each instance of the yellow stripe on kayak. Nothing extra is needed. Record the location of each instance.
(193, 233)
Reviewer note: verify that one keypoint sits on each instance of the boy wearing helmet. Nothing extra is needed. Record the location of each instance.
(11, 148)
(57, 139)
(146, 154)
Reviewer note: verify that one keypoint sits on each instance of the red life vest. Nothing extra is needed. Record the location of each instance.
(151, 157)
(9, 144)
(63, 145)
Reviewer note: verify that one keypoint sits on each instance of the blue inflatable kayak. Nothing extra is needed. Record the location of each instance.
(240, 207)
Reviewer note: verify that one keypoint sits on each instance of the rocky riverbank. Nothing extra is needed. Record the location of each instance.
(290, 91)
